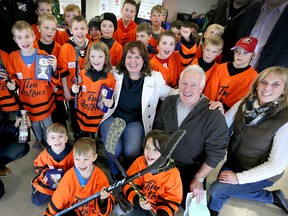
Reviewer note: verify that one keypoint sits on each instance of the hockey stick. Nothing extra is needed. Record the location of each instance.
(77, 50)
(171, 145)
(110, 147)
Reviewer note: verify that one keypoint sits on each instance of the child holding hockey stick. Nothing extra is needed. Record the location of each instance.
(163, 190)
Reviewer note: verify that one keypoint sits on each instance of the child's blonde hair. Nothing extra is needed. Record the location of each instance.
(71, 8)
(100, 46)
(21, 25)
(215, 41)
(56, 128)
(218, 27)
(144, 27)
(158, 9)
(47, 17)
(168, 33)
(84, 145)
(78, 19)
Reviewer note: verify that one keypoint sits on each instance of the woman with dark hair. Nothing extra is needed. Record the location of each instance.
(257, 153)
(136, 96)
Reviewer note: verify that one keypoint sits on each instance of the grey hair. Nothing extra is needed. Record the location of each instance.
(198, 69)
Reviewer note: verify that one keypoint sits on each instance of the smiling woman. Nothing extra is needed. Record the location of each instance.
(137, 92)
(257, 153)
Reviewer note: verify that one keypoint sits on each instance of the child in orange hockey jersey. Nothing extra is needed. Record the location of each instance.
(170, 62)
(212, 30)
(70, 11)
(211, 49)
(163, 190)
(57, 156)
(47, 26)
(96, 72)
(67, 63)
(94, 29)
(126, 30)
(80, 182)
(36, 96)
(108, 25)
(157, 17)
(232, 80)
(143, 34)
(7, 100)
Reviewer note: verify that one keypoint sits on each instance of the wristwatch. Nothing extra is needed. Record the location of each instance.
(199, 179)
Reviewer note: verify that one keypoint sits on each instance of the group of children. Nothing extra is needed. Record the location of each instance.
(79, 69)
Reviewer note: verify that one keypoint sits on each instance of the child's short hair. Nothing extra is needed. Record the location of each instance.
(176, 24)
(158, 9)
(38, 2)
(48, 17)
(215, 41)
(192, 25)
(100, 46)
(159, 139)
(56, 128)
(216, 26)
(71, 8)
(132, 2)
(144, 27)
(166, 33)
(84, 145)
(21, 25)
(78, 19)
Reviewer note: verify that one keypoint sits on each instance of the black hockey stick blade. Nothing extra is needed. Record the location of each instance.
(171, 145)
(116, 129)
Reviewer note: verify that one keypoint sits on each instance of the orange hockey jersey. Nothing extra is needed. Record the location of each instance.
(69, 192)
(88, 115)
(45, 161)
(115, 53)
(229, 89)
(36, 96)
(7, 100)
(124, 35)
(163, 190)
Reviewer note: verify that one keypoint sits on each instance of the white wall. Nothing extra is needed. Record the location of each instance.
(173, 6)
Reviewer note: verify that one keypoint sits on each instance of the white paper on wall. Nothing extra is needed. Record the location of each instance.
(112, 6)
(146, 6)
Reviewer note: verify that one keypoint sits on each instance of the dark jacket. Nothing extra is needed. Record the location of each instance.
(206, 135)
(7, 129)
(275, 51)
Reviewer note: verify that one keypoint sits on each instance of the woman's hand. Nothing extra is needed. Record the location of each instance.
(145, 204)
(197, 189)
(228, 177)
(216, 105)
(19, 120)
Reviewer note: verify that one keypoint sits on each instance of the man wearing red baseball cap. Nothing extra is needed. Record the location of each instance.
(232, 80)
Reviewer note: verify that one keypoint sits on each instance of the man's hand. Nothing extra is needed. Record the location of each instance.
(197, 189)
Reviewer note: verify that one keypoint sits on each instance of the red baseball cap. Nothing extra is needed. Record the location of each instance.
(247, 43)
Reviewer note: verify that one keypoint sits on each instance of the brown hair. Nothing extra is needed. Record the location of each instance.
(158, 9)
(84, 145)
(168, 33)
(131, 46)
(56, 128)
(71, 8)
(282, 72)
(159, 139)
(78, 19)
(176, 24)
(144, 27)
(38, 2)
(100, 46)
(132, 2)
(21, 25)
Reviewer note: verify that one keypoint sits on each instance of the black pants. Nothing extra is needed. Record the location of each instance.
(2, 191)
(187, 173)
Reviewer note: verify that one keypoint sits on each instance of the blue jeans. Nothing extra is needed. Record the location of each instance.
(220, 193)
(129, 142)
(40, 128)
